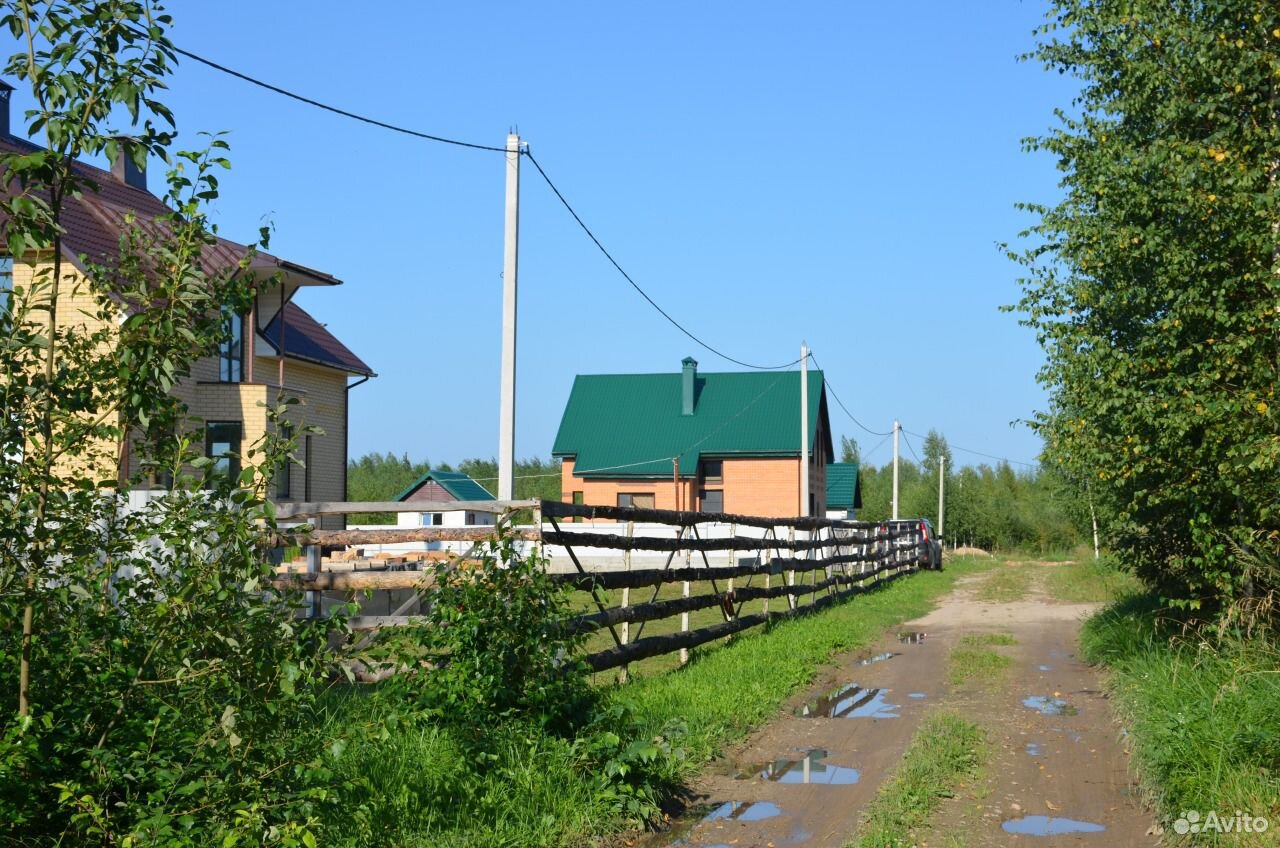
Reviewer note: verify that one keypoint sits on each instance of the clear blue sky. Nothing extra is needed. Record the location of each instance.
(835, 172)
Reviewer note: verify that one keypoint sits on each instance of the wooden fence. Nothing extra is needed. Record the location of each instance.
(805, 564)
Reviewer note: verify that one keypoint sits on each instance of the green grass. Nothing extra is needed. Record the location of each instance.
(1203, 716)
(1090, 581)
(416, 787)
(979, 640)
(1006, 584)
(946, 750)
(972, 659)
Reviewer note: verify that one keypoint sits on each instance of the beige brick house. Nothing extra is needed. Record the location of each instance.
(275, 345)
(717, 442)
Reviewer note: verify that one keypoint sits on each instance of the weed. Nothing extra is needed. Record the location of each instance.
(1090, 581)
(1006, 584)
(945, 750)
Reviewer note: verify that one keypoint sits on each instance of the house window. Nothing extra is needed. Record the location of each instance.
(713, 470)
(579, 501)
(283, 483)
(231, 349)
(638, 500)
(471, 518)
(6, 282)
(222, 445)
(712, 500)
(437, 519)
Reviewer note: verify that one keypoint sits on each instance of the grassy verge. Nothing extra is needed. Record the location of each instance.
(945, 750)
(1202, 717)
(418, 787)
(1090, 581)
(973, 659)
(1006, 584)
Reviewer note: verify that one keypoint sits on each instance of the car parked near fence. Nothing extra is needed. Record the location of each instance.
(918, 533)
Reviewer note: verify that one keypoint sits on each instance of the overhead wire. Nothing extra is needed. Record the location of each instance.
(954, 446)
(832, 392)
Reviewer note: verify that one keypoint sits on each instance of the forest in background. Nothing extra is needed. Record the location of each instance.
(990, 507)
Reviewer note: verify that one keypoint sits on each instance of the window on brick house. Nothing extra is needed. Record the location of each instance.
(713, 470)
(222, 445)
(231, 349)
(638, 500)
(284, 481)
(711, 500)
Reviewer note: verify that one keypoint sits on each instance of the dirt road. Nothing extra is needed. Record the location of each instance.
(1055, 772)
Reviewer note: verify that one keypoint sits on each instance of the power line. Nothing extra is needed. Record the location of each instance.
(907, 442)
(954, 446)
(832, 392)
(637, 287)
(879, 445)
(334, 109)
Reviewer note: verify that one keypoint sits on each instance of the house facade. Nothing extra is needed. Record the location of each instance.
(711, 442)
(276, 348)
(438, 490)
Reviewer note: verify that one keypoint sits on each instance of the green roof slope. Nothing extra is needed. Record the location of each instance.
(843, 489)
(455, 483)
(629, 425)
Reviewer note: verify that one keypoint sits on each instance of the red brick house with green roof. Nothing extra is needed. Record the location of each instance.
(715, 442)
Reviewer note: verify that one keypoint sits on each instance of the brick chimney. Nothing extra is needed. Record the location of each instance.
(124, 168)
(689, 376)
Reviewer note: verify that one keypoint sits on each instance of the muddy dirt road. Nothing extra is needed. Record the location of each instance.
(1055, 772)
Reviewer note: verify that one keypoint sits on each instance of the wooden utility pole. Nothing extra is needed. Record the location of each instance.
(510, 256)
(804, 429)
(896, 428)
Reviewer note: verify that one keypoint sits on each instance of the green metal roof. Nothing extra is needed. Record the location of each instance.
(455, 483)
(629, 425)
(843, 488)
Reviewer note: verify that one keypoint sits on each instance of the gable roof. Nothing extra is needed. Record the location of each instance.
(630, 425)
(306, 339)
(93, 221)
(844, 488)
(460, 485)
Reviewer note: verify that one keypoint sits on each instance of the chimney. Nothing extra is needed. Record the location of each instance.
(689, 376)
(124, 168)
(5, 91)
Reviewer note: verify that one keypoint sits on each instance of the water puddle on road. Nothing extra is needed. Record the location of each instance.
(745, 811)
(917, 695)
(1049, 706)
(1044, 667)
(851, 701)
(1050, 826)
(1035, 749)
(912, 637)
(877, 659)
(809, 769)
(682, 835)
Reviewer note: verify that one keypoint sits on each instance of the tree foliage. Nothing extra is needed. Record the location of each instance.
(1152, 285)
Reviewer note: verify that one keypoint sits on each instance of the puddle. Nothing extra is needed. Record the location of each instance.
(1044, 667)
(1034, 749)
(1049, 706)
(912, 638)
(851, 701)
(917, 695)
(746, 811)
(1049, 826)
(809, 769)
(877, 658)
(798, 836)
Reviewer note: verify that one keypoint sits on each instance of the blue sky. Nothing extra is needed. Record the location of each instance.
(838, 173)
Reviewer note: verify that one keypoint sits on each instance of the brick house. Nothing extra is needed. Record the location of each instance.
(275, 345)
(714, 442)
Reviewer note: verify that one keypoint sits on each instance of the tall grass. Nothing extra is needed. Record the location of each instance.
(416, 785)
(1203, 715)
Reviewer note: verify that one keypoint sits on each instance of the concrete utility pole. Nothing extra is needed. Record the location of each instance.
(896, 428)
(942, 476)
(510, 256)
(804, 429)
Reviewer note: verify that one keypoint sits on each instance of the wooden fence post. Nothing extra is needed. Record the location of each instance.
(626, 599)
(792, 601)
(684, 616)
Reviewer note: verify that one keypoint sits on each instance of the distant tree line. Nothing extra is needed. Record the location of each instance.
(990, 507)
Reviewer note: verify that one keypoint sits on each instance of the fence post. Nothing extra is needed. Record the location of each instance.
(314, 605)
(626, 599)
(733, 560)
(792, 602)
(684, 616)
